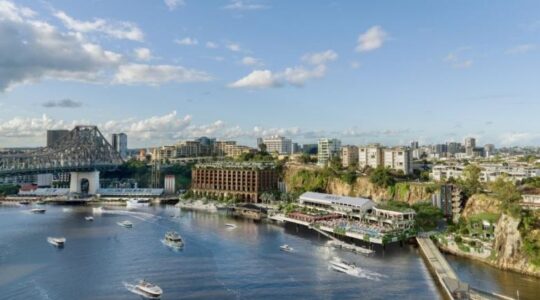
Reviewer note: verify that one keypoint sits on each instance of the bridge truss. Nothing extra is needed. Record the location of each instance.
(83, 149)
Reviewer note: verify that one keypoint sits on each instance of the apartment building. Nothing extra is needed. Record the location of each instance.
(370, 156)
(349, 156)
(278, 144)
(243, 181)
(399, 159)
(327, 148)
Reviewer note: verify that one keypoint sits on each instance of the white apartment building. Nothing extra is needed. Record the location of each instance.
(349, 156)
(399, 159)
(278, 144)
(327, 148)
(371, 155)
(488, 173)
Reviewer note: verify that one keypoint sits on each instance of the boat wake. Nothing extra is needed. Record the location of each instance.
(136, 214)
(132, 288)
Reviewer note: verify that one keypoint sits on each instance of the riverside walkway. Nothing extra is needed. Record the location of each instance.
(452, 286)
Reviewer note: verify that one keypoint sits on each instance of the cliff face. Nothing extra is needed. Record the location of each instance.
(508, 247)
(481, 203)
(362, 187)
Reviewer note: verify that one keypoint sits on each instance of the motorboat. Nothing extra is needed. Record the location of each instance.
(230, 225)
(137, 202)
(38, 210)
(89, 218)
(149, 289)
(286, 248)
(57, 241)
(24, 202)
(126, 224)
(342, 266)
(173, 240)
(40, 202)
(67, 209)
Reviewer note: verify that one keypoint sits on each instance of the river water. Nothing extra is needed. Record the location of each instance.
(100, 258)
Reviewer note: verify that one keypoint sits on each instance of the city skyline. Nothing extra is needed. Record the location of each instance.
(361, 72)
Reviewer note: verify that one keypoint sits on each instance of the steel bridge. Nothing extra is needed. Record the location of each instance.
(83, 149)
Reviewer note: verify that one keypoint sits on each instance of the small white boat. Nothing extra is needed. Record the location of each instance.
(138, 202)
(126, 224)
(38, 210)
(24, 202)
(67, 209)
(57, 241)
(286, 248)
(230, 225)
(173, 240)
(342, 266)
(89, 218)
(149, 289)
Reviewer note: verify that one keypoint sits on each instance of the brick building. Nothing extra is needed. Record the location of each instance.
(243, 181)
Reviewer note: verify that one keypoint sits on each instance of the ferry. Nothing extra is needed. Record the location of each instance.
(173, 240)
(342, 266)
(286, 248)
(126, 224)
(38, 210)
(89, 218)
(57, 241)
(149, 289)
(138, 202)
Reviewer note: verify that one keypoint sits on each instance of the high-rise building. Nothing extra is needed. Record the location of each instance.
(278, 144)
(349, 156)
(414, 145)
(489, 150)
(399, 159)
(370, 156)
(119, 143)
(453, 147)
(310, 148)
(54, 137)
(327, 148)
(440, 148)
(470, 142)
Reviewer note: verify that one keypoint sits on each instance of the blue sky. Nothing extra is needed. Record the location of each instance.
(362, 71)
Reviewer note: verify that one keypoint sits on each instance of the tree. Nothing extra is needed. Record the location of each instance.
(506, 192)
(8, 189)
(382, 177)
(470, 184)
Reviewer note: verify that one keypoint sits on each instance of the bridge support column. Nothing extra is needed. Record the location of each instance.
(77, 178)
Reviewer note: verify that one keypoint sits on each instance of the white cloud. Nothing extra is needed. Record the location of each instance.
(143, 54)
(257, 79)
(519, 138)
(355, 65)
(157, 74)
(211, 45)
(251, 61)
(297, 76)
(320, 58)
(372, 39)
(18, 127)
(173, 4)
(456, 61)
(31, 50)
(187, 41)
(234, 47)
(244, 5)
(520, 49)
(115, 29)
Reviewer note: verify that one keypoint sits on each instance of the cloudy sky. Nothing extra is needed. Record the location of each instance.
(362, 71)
